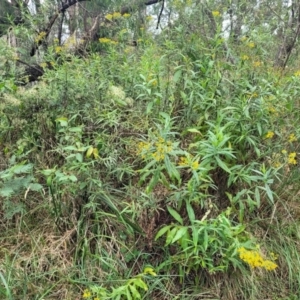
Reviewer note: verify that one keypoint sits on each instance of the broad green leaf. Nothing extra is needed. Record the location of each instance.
(63, 121)
(19, 169)
(35, 187)
(79, 157)
(177, 76)
(73, 178)
(75, 129)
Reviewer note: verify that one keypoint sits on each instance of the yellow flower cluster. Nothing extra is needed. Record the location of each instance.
(162, 147)
(269, 134)
(152, 81)
(58, 49)
(245, 57)
(107, 41)
(251, 45)
(254, 259)
(158, 149)
(123, 31)
(40, 36)
(297, 73)
(86, 294)
(257, 64)
(143, 148)
(292, 138)
(272, 110)
(149, 18)
(292, 158)
(185, 162)
(216, 13)
(116, 15)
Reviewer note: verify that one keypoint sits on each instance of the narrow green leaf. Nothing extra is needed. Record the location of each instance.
(171, 235)
(179, 234)
(175, 215)
(222, 165)
(257, 196)
(162, 231)
(205, 239)
(269, 193)
(190, 211)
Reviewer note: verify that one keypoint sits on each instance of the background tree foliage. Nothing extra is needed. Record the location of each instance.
(148, 149)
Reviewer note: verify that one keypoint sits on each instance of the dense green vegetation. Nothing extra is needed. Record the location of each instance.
(160, 169)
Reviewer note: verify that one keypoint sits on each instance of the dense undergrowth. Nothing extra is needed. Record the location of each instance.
(163, 171)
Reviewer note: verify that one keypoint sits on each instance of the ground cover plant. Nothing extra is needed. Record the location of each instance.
(145, 164)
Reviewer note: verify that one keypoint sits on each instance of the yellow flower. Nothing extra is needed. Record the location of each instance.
(109, 17)
(153, 82)
(297, 73)
(292, 158)
(157, 150)
(256, 64)
(292, 138)
(86, 294)
(243, 38)
(216, 13)
(149, 18)
(126, 15)
(43, 65)
(283, 151)
(269, 134)
(276, 164)
(254, 259)
(183, 162)
(123, 31)
(251, 45)
(195, 165)
(272, 109)
(269, 265)
(116, 15)
(104, 40)
(245, 57)
(40, 36)
(57, 49)
(273, 256)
